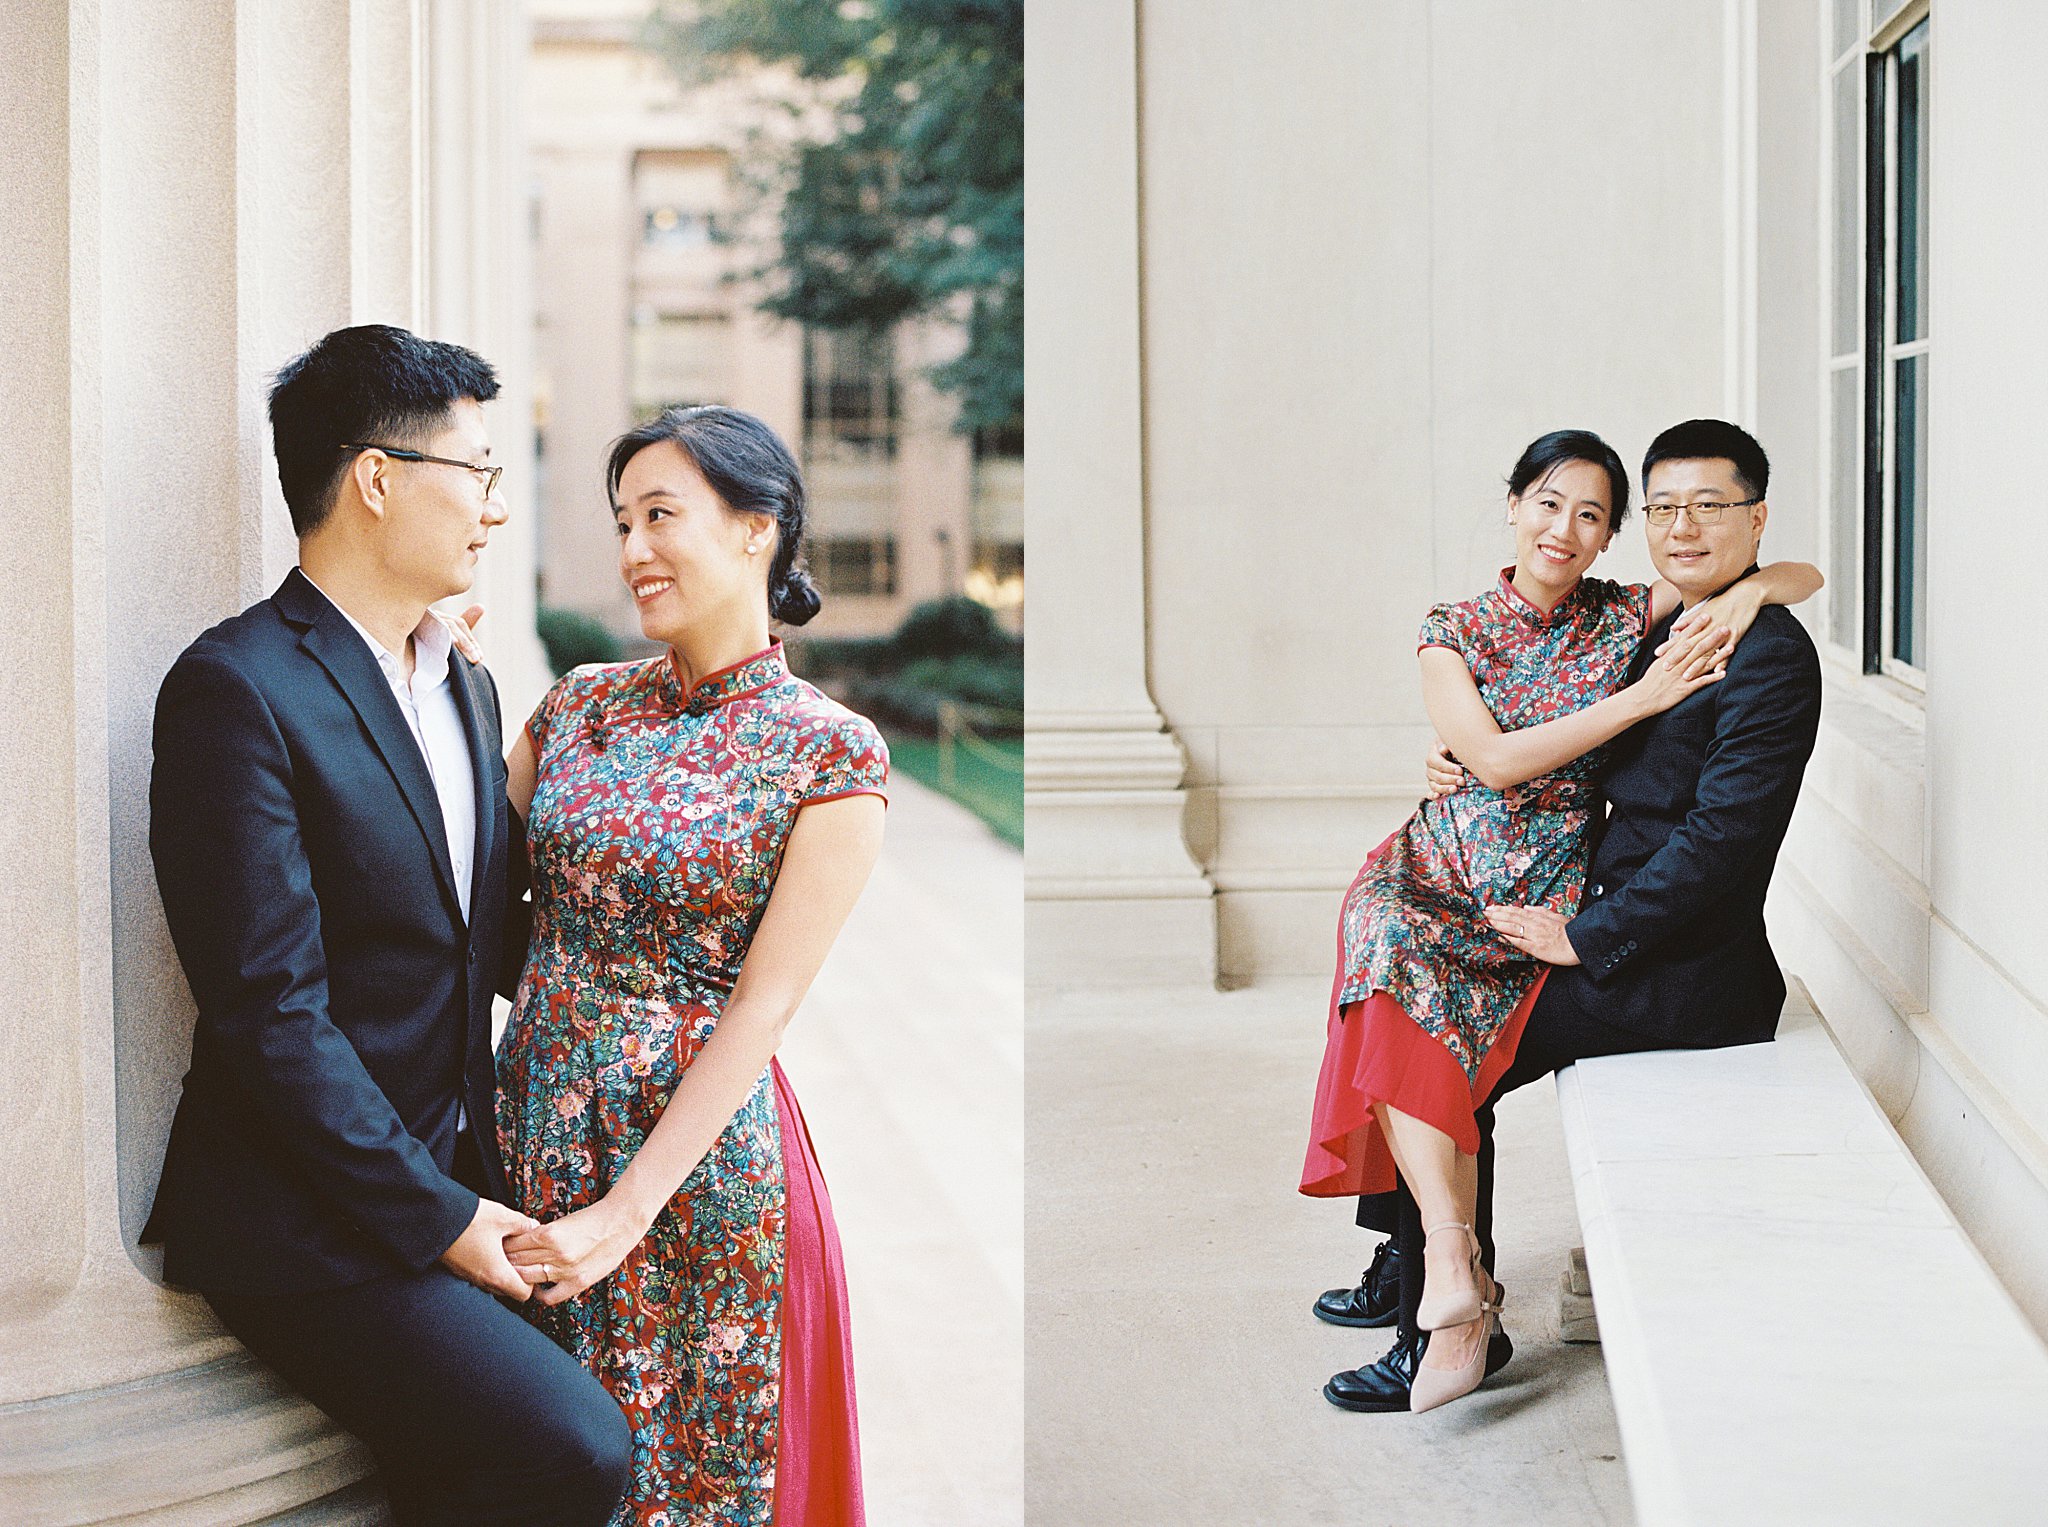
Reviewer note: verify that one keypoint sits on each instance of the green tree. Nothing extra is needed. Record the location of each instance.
(911, 201)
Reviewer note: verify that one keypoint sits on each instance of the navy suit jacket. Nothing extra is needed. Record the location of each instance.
(1671, 933)
(344, 1004)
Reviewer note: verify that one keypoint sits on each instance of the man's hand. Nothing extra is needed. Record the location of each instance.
(1537, 931)
(461, 631)
(478, 1255)
(575, 1252)
(1443, 773)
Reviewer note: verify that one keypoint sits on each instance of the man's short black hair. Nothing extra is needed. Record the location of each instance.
(1712, 440)
(372, 384)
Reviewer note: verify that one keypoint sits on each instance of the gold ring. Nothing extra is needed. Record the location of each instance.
(546, 1273)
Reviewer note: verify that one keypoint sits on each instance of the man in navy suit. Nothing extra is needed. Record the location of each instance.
(1668, 949)
(332, 843)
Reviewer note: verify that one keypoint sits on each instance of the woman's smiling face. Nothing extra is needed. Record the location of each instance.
(682, 552)
(1562, 522)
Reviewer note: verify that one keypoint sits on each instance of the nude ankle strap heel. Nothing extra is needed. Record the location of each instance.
(1440, 1308)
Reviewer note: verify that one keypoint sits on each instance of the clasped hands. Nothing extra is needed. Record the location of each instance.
(515, 1256)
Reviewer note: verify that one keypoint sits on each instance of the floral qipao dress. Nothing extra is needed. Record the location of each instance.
(1429, 1001)
(658, 823)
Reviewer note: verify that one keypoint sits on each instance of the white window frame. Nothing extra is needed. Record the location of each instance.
(1877, 36)
(1893, 33)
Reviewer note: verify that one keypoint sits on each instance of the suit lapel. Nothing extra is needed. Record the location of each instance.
(483, 747)
(333, 643)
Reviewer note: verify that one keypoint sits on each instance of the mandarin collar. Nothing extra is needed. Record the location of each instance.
(749, 676)
(1518, 604)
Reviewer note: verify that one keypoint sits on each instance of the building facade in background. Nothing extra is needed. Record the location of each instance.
(195, 194)
(642, 248)
(1377, 252)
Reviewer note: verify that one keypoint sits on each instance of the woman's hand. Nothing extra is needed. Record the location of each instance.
(1734, 609)
(1687, 665)
(578, 1251)
(1443, 774)
(462, 630)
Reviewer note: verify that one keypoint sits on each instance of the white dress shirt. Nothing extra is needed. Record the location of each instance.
(427, 702)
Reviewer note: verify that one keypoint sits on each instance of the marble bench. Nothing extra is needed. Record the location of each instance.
(1795, 1328)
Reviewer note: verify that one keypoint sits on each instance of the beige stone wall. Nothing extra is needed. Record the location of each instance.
(1401, 244)
(194, 194)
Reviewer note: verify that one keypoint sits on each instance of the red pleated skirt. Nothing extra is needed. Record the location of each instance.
(1373, 1052)
(817, 1464)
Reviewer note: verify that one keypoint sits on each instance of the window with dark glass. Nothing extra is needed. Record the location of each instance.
(1906, 353)
(850, 394)
(1878, 335)
(853, 564)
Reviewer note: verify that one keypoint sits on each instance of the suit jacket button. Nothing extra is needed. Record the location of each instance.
(1599, 890)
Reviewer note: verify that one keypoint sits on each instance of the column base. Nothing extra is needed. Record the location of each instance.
(1111, 895)
(220, 1444)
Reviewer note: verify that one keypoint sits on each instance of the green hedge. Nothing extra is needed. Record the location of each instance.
(572, 639)
(946, 651)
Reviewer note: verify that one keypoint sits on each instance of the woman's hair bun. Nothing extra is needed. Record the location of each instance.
(794, 599)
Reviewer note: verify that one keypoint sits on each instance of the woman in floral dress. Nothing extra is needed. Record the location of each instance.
(699, 825)
(1526, 682)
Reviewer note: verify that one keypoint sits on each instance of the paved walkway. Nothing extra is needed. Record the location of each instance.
(908, 1059)
(1174, 1367)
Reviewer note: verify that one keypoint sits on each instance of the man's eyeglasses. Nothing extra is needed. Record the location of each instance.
(1700, 514)
(489, 474)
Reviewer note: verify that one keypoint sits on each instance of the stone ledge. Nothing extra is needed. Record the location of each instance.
(1750, 1220)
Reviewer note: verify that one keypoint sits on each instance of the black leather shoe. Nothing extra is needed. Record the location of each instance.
(1376, 1300)
(1384, 1385)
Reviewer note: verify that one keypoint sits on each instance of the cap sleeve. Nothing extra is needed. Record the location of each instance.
(1642, 595)
(1443, 626)
(1629, 603)
(548, 712)
(851, 759)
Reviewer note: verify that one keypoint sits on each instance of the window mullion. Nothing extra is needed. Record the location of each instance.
(1875, 435)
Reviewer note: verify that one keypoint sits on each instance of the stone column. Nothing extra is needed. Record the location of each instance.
(1111, 893)
(583, 166)
(200, 191)
(480, 294)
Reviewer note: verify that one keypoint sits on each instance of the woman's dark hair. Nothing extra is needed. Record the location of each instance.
(1563, 445)
(751, 470)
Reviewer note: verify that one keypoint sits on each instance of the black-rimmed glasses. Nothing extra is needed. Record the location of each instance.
(1699, 514)
(490, 475)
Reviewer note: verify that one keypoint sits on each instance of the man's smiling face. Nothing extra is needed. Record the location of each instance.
(1700, 560)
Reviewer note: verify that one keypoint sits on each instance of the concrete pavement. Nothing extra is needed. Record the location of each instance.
(1175, 1371)
(908, 1059)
